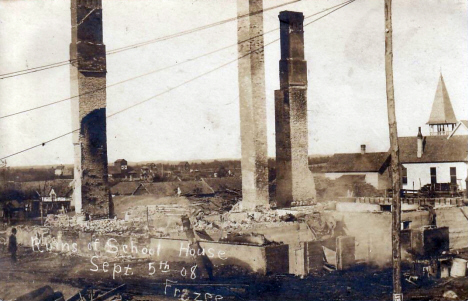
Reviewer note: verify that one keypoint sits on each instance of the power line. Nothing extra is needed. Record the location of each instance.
(168, 90)
(129, 47)
(343, 5)
(167, 67)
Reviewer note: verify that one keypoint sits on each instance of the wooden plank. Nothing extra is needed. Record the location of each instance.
(79, 295)
(113, 292)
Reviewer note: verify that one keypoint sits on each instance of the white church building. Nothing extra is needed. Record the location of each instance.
(441, 157)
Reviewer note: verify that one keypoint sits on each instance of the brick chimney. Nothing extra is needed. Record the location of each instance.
(88, 80)
(252, 101)
(363, 149)
(294, 180)
(420, 149)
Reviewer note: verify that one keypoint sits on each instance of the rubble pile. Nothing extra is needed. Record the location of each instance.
(100, 226)
(151, 212)
(344, 186)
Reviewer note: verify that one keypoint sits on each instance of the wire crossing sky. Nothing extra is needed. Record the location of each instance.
(166, 91)
(129, 47)
(336, 7)
(200, 120)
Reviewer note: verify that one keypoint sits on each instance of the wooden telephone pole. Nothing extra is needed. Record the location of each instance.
(395, 163)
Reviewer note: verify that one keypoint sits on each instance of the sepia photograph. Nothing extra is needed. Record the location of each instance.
(216, 150)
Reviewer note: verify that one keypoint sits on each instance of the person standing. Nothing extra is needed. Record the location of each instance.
(12, 245)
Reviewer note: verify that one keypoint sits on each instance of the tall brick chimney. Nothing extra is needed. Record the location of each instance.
(252, 104)
(88, 74)
(294, 180)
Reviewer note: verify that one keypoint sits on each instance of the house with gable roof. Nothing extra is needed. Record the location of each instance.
(372, 165)
(441, 157)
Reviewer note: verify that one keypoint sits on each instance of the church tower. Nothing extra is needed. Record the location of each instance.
(442, 120)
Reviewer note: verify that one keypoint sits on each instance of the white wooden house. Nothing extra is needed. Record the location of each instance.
(441, 157)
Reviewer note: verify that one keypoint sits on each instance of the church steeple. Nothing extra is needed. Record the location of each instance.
(442, 120)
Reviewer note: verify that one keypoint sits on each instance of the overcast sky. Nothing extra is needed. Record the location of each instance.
(200, 120)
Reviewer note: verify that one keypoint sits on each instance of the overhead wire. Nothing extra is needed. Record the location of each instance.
(168, 90)
(163, 68)
(133, 46)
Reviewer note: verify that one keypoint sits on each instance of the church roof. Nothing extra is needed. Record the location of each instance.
(442, 110)
(435, 149)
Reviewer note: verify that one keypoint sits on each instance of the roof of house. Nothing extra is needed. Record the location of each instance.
(120, 161)
(442, 110)
(222, 184)
(435, 149)
(357, 162)
(124, 188)
(61, 187)
(163, 189)
(114, 170)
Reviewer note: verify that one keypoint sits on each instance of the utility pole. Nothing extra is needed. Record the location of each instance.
(395, 164)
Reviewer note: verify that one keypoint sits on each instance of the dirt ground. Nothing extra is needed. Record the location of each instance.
(69, 274)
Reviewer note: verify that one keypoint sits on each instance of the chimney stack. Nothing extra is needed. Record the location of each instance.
(420, 150)
(294, 180)
(88, 80)
(252, 101)
(363, 149)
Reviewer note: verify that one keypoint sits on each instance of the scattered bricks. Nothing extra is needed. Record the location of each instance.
(345, 252)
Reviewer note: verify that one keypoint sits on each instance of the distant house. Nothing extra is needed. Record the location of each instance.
(148, 173)
(184, 166)
(57, 191)
(124, 188)
(225, 185)
(121, 171)
(371, 165)
(441, 157)
(181, 188)
(52, 196)
(122, 164)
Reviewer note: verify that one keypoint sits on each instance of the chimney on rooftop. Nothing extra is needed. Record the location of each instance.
(420, 144)
(363, 149)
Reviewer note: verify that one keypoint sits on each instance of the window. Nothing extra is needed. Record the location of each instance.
(433, 176)
(404, 175)
(405, 225)
(453, 175)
